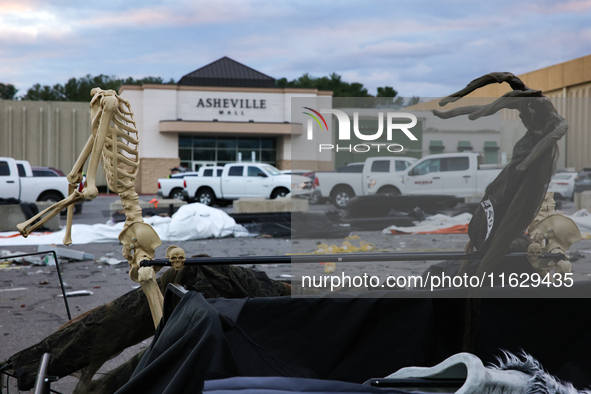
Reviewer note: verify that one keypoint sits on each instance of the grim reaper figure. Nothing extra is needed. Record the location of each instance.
(513, 199)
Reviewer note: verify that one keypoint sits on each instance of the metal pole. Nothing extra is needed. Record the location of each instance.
(340, 258)
(59, 274)
(41, 382)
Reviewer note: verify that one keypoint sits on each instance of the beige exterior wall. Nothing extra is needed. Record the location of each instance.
(45, 133)
(163, 112)
(150, 170)
(305, 165)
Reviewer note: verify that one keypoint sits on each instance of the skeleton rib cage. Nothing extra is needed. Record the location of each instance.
(119, 156)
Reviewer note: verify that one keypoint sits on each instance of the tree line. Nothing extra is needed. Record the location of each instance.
(78, 89)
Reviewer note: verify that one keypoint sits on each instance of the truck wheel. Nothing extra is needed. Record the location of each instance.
(281, 192)
(205, 196)
(314, 199)
(389, 190)
(53, 198)
(341, 197)
(176, 193)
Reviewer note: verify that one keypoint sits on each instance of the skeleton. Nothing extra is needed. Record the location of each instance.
(554, 234)
(113, 142)
(176, 256)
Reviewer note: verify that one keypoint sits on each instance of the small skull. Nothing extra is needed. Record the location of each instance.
(176, 256)
(534, 252)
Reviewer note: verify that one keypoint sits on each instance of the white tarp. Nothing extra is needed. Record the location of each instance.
(432, 223)
(192, 221)
(437, 222)
(583, 220)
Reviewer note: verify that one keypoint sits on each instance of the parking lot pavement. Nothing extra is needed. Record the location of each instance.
(29, 314)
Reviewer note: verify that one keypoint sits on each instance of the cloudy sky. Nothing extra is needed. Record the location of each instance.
(426, 48)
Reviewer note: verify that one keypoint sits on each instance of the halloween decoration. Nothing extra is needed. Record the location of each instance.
(514, 198)
(114, 142)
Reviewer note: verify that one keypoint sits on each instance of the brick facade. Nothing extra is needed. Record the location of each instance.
(150, 170)
(311, 165)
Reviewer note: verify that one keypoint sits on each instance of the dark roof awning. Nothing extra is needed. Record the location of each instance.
(229, 73)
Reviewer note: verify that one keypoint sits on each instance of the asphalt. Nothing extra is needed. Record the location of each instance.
(30, 306)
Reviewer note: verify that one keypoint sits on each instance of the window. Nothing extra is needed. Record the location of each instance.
(401, 165)
(456, 164)
(235, 171)
(4, 170)
(380, 166)
(427, 167)
(272, 170)
(351, 168)
(436, 146)
(222, 150)
(203, 154)
(220, 171)
(21, 170)
(208, 172)
(255, 171)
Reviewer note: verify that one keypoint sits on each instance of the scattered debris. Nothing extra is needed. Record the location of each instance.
(111, 260)
(5, 256)
(14, 289)
(77, 293)
(67, 253)
(44, 282)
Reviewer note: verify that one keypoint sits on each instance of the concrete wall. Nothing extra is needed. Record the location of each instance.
(46, 133)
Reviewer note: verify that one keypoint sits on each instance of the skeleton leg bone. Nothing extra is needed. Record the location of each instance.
(147, 279)
(70, 216)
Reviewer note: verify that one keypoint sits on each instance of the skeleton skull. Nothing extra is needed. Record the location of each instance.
(534, 252)
(176, 256)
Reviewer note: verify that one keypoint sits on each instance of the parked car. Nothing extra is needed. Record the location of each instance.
(451, 174)
(352, 180)
(563, 185)
(294, 172)
(584, 173)
(45, 171)
(352, 168)
(246, 180)
(17, 181)
(582, 184)
(172, 187)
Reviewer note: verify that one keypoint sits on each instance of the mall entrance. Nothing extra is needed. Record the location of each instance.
(197, 151)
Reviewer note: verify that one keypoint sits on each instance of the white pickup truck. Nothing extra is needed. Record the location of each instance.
(340, 187)
(17, 181)
(172, 187)
(245, 180)
(450, 174)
